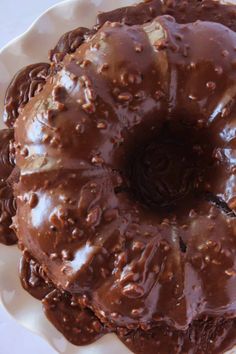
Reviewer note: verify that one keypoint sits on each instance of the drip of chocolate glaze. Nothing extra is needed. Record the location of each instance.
(33, 278)
(25, 85)
(68, 43)
(68, 313)
(79, 325)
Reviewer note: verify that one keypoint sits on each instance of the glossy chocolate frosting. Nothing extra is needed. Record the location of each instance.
(25, 85)
(7, 178)
(126, 198)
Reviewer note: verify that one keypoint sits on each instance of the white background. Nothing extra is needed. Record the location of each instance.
(15, 17)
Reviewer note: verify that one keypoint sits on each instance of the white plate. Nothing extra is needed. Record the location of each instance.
(29, 48)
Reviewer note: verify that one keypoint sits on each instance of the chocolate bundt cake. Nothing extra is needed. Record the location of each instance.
(125, 178)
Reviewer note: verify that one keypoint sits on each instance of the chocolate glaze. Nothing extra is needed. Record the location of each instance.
(97, 204)
(7, 203)
(25, 85)
(79, 325)
(33, 278)
(68, 313)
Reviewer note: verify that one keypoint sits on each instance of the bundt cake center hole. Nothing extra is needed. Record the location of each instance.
(170, 168)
